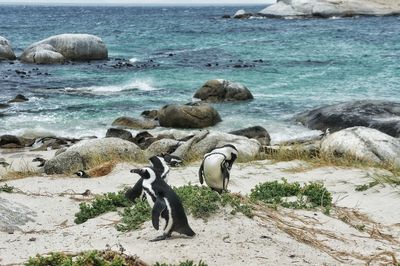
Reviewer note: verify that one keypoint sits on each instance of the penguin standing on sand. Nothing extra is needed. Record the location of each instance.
(165, 203)
(216, 166)
(160, 166)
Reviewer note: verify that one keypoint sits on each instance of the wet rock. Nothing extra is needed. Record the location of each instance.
(131, 122)
(6, 51)
(220, 90)
(381, 115)
(257, 132)
(119, 133)
(4, 105)
(188, 116)
(242, 14)
(367, 144)
(10, 140)
(205, 141)
(226, 16)
(150, 114)
(19, 99)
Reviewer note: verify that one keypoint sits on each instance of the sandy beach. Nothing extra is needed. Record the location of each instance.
(272, 237)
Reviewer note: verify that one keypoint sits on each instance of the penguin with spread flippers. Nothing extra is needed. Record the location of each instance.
(216, 165)
(165, 204)
(160, 166)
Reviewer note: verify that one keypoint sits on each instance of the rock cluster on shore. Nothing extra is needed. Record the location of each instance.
(6, 51)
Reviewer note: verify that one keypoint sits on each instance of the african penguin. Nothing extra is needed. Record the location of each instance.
(82, 174)
(165, 203)
(159, 165)
(172, 160)
(40, 160)
(216, 166)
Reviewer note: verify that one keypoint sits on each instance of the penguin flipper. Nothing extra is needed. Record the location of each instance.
(201, 173)
(158, 208)
(225, 175)
(136, 191)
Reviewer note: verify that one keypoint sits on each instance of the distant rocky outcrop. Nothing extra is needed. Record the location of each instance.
(364, 143)
(220, 90)
(381, 115)
(330, 8)
(197, 115)
(135, 123)
(92, 152)
(242, 14)
(57, 49)
(19, 99)
(257, 132)
(6, 51)
(206, 141)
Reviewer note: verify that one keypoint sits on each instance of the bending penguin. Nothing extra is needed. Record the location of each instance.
(165, 204)
(216, 166)
(160, 166)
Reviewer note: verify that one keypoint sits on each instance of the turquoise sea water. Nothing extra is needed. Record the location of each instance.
(305, 63)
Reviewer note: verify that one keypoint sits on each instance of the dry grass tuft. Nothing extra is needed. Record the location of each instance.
(25, 170)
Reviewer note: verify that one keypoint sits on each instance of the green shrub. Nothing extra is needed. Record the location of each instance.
(134, 217)
(184, 263)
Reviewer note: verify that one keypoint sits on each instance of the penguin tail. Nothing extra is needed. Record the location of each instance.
(188, 231)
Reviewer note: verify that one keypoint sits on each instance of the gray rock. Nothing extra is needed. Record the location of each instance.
(220, 90)
(150, 114)
(119, 133)
(257, 132)
(14, 215)
(188, 116)
(205, 141)
(67, 162)
(364, 143)
(161, 146)
(241, 14)
(329, 8)
(101, 150)
(131, 122)
(6, 51)
(10, 139)
(4, 105)
(57, 49)
(381, 115)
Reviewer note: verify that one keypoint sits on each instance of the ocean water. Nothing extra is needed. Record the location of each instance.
(305, 63)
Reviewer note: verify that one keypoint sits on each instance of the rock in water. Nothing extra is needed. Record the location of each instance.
(220, 90)
(188, 116)
(241, 14)
(131, 122)
(381, 115)
(367, 144)
(6, 51)
(330, 8)
(57, 49)
(19, 99)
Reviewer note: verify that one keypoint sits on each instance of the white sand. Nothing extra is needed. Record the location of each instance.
(224, 239)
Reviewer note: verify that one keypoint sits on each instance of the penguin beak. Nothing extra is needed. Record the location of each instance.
(135, 171)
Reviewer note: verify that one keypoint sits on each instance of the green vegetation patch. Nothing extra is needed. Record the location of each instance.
(95, 257)
(185, 263)
(134, 217)
(102, 204)
(6, 188)
(310, 195)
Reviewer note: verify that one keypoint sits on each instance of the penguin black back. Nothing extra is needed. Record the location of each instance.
(167, 204)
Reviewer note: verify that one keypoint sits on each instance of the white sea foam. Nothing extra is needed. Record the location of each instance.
(133, 60)
(134, 84)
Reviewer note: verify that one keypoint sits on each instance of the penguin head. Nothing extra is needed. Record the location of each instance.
(159, 165)
(145, 173)
(81, 174)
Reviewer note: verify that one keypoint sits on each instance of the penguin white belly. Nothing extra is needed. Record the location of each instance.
(212, 171)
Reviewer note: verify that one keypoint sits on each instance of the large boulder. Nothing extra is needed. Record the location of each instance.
(10, 139)
(162, 146)
(257, 132)
(65, 163)
(364, 143)
(381, 115)
(57, 49)
(6, 51)
(119, 133)
(220, 90)
(131, 122)
(188, 116)
(89, 153)
(206, 141)
(329, 8)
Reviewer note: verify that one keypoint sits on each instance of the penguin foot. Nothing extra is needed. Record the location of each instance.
(159, 238)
